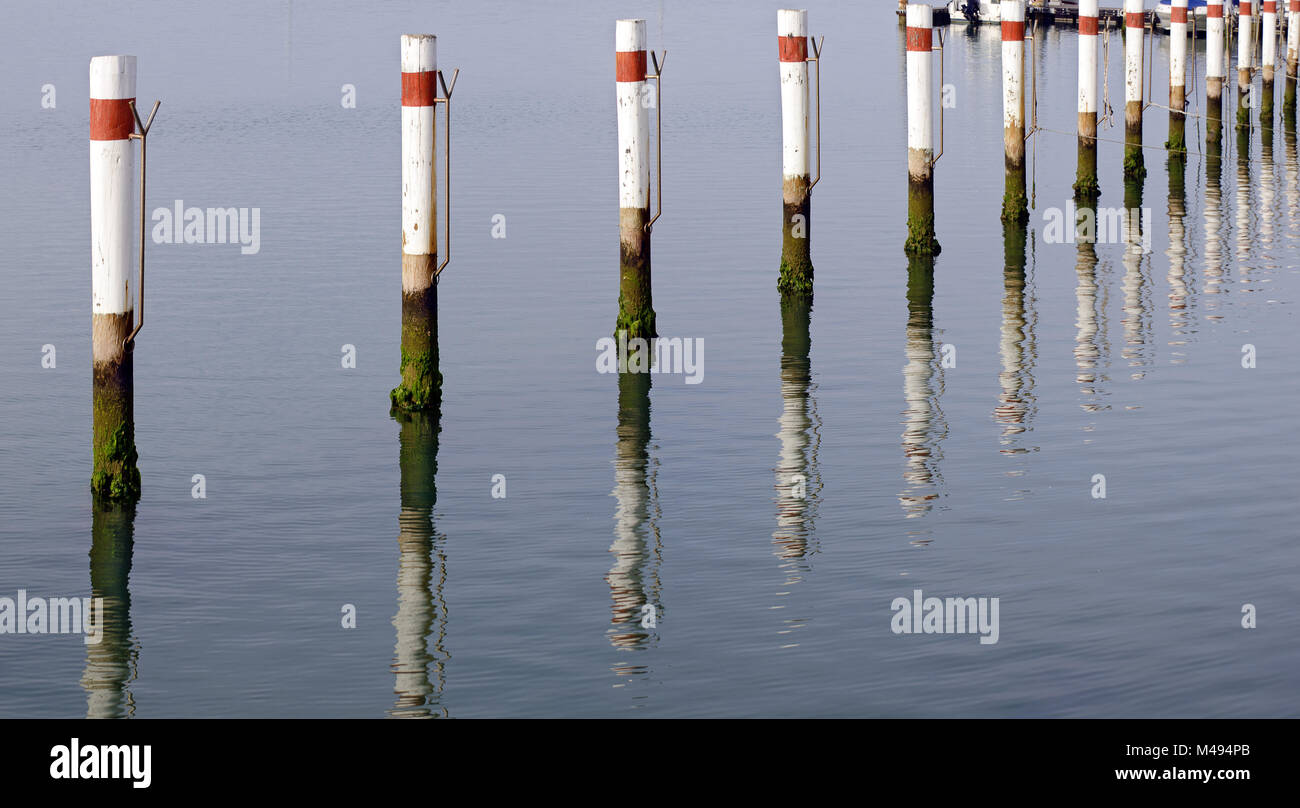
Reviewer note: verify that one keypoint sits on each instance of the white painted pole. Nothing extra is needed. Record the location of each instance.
(112, 250)
(1178, 54)
(1088, 68)
(1134, 98)
(1292, 37)
(420, 388)
(1245, 43)
(636, 314)
(1013, 81)
(1134, 24)
(1015, 202)
(796, 179)
(633, 124)
(920, 101)
(1215, 69)
(792, 29)
(112, 198)
(419, 239)
(920, 131)
(1268, 54)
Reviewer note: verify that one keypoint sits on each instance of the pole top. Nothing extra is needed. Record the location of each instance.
(419, 53)
(629, 35)
(112, 77)
(792, 22)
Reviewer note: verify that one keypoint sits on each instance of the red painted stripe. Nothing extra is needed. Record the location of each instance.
(1270, 6)
(111, 118)
(1244, 9)
(920, 39)
(1088, 25)
(418, 89)
(1013, 31)
(1135, 19)
(1295, 5)
(1178, 15)
(630, 65)
(1216, 12)
(795, 48)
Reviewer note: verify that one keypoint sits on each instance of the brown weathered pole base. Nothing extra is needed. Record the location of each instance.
(421, 386)
(1087, 124)
(115, 476)
(796, 277)
(636, 314)
(1013, 145)
(1213, 89)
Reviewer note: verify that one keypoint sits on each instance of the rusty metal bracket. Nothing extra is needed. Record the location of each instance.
(659, 135)
(935, 159)
(816, 58)
(446, 168)
(141, 134)
(1032, 36)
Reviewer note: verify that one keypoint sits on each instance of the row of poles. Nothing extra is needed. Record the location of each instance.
(114, 124)
(921, 157)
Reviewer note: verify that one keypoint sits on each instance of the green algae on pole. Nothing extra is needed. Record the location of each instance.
(920, 133)
(115, 475)
(796, 274)
(636, 313)
(1015, 202)
(421, 385)
(1134, 31)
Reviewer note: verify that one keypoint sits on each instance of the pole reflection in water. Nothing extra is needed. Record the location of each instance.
(111, 663)
(1267, 189)
(1292, 179)
(1018, 347)
(798, 475)
(1244, 241)
(1179, 288)
(924, 425)
(1137, 284)
(1091, 344)
(419, 671)
(1213, 207)
(634, 579)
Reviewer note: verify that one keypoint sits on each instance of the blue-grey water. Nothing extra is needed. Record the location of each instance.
(970, 480)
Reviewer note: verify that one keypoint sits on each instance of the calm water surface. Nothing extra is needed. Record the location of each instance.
(966, 480)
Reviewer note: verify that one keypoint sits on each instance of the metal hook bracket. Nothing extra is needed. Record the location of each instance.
(446, 167)
(141, 134)
(659, 134)
(816, 58)
(934, 159)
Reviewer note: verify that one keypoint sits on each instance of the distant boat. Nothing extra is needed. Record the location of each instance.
(974, 12)
(1194, 7)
